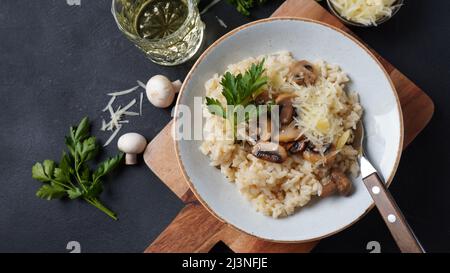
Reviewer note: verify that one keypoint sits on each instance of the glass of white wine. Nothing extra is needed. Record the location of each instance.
(170, 32)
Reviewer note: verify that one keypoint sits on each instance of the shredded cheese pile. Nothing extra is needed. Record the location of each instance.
(322, 109)
(116, 116)
(366, 12)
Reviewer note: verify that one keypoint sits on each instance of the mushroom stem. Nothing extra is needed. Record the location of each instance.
(130, 159)
(131, 144)
(176, 85)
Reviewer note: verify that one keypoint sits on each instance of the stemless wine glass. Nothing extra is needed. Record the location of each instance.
(170, 32)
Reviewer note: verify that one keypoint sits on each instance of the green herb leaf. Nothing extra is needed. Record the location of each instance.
(242, 89)
(215, 107)
(70, 145)
(230, 88)
(61, 176)
(38, 173)
(85, 175)
(76, 135)
(107, 166)
(87, 150)
(65, 163)
(49, 192)
(49, 167)
(82, 130)
(239, 90)
(94, 190)
(74, 193)
(243, 6)
(73, 177)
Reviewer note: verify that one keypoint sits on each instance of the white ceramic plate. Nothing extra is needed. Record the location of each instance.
(306, 40)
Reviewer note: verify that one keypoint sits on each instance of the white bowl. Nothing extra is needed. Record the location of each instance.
(311, 40)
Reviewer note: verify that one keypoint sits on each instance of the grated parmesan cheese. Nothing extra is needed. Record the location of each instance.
(124, 92)
(130, 113)
(221, 22)
(141, 84)
(110, 102)
(128, 106)
(116, 116)
(104, 125)
(322, 109)
(115, 123)
(140, 103)
(113, 135)
(210, 5)
(366, 12)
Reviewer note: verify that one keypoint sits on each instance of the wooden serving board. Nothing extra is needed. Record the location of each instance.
(194, 229)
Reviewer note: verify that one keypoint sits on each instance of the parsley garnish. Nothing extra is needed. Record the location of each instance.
(243, 6)
(72, 177)
(239, 90)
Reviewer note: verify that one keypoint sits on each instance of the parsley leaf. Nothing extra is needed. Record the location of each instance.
(39, 174)
(243, 6)
(239, 90)
(215, 107)
(72, 177)
(242, 89)
(106, 167)
(51, 191)
(88, 149)
(74, 193)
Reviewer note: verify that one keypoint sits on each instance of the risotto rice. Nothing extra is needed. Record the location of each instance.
(326, 113)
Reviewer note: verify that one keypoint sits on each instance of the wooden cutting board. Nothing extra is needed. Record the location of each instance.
(194, 229)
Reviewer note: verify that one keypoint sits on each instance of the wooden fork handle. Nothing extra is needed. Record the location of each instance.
(392, 216)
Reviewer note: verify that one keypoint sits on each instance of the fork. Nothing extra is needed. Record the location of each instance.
(385, 203)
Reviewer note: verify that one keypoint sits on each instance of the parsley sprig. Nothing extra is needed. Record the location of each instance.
(72, 177)
(239, 90)
(243, 6)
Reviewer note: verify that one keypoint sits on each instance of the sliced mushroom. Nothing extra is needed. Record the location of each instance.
(303, 73)
(296, 146)
(288, 133)
(343, 184)
(262, 98)
(327, 157)
(265, 130)
(328, 189)
(269, 151)
(287, 110)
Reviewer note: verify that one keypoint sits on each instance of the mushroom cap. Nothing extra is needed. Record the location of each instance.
(160, 91)
(343, 184)
(288, 133)
(269, 151)
(303, 72)
(132, 143)
(287, 110)
(297, 146)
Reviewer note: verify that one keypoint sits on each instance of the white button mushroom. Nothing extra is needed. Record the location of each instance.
(161, 91)
(131, 144)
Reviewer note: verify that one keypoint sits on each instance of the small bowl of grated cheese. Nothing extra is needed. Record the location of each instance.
(364, 13)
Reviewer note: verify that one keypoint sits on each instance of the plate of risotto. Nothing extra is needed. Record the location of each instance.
(268, 144)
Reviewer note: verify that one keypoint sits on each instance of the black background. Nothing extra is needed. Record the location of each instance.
(57, 62)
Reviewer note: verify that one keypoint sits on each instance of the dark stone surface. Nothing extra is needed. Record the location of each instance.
(57, 62)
